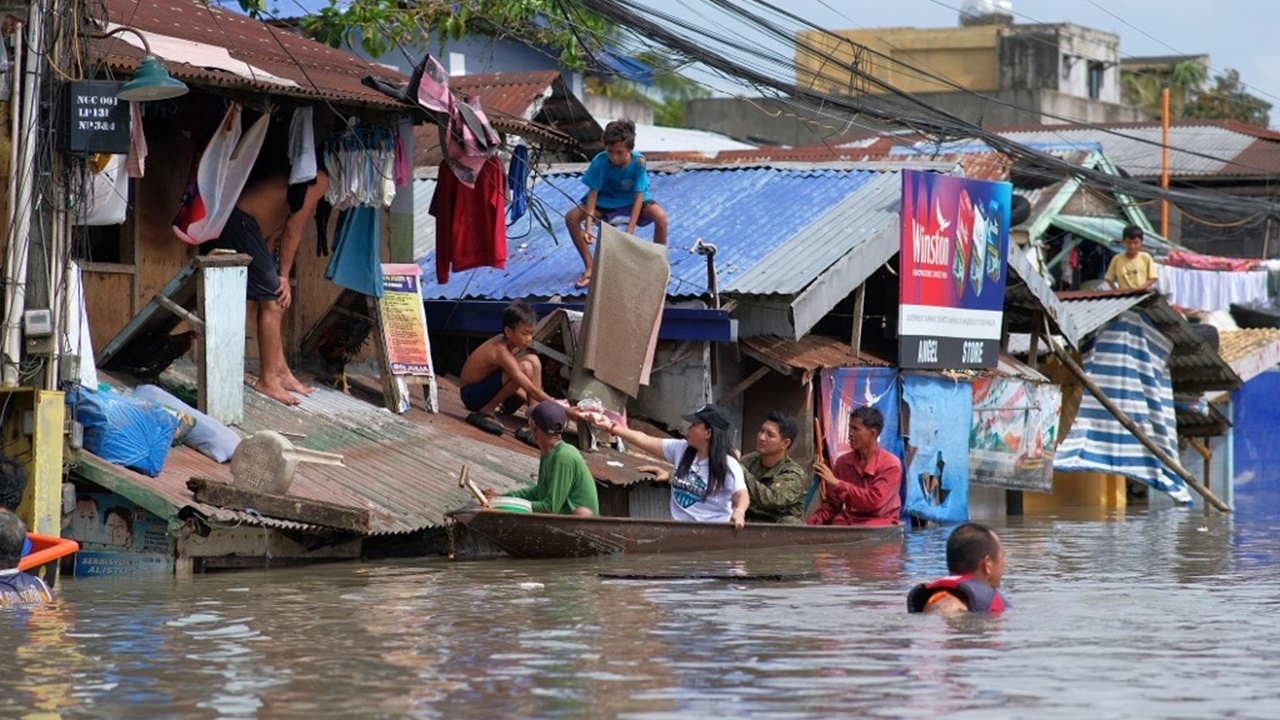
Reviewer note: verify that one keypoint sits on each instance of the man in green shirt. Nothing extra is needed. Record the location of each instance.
(565, 485)
(775, 482)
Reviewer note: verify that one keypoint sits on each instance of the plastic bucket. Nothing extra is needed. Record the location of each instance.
(510, 504)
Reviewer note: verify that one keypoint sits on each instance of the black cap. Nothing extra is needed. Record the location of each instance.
(712, 416)
(549, 417)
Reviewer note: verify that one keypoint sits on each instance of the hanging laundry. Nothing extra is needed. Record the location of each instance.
(404, 164)
(361, 166)
(471, 231)
(1210, 290)
(355, 264)
(302, 146)
(106, 197)
(471, 140)
(518, 181)
(220, 176)
(137, 159)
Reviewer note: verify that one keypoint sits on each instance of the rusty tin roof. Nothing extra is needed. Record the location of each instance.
(279, 62)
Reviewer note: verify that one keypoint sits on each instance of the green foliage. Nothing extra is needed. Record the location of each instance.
(1229, 100)
(1190, 95)
(377, 26)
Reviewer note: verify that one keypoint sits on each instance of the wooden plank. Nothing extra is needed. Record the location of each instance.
(106, 268)
(284, 507)
(103, 293)
(173, 307)
(741, 387)
(181, 290)
(220, 360)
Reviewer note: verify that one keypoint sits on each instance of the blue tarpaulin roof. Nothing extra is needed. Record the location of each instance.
(745, 212)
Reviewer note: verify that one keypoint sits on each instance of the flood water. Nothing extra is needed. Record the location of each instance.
(1167, 615)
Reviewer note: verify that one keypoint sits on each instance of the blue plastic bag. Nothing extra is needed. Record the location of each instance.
(123, 430)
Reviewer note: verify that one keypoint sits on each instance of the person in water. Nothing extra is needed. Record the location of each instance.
(17, 587)
(975, 559)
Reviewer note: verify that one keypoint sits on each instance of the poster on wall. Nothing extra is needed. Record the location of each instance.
(403, 329)
(117, 537)
(1014, 433)
(935, 458)
(953, 265)
(845, 389)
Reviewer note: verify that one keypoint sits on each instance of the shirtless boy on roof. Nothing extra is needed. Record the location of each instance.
(503, 367)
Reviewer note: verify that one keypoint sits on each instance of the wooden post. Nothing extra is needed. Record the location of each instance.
(1133, 428)
(1033, 354)
(220, 361)
(859, 299)
(1207, 454)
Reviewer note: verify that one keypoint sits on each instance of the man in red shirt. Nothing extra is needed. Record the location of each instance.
(863, 488)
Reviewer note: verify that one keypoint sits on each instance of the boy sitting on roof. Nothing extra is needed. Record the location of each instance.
(617, 183)
(503, 367)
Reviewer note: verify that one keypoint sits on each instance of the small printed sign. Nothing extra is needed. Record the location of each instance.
(96, 121)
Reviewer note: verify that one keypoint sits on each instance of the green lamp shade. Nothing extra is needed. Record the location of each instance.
(151, 82)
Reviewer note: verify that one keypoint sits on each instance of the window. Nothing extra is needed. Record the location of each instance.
(1097, 71)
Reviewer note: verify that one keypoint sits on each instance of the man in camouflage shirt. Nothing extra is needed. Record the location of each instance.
(776, 483)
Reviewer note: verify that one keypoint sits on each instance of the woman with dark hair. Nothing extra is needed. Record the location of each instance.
(706, 483)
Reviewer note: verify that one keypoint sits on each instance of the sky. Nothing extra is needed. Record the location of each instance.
(1237, 34)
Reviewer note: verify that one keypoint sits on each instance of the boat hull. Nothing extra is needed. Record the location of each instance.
(539, 535)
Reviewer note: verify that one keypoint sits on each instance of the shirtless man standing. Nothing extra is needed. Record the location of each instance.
(262, 214)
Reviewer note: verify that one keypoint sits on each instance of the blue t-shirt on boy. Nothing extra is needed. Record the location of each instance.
(616, 187)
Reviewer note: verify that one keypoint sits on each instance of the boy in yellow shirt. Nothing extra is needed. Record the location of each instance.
(1134, 269)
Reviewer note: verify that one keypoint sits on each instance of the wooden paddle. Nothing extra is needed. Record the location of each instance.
(820, 441)
(464, 481)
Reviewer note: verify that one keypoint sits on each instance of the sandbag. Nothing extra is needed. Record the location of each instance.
(123, 430)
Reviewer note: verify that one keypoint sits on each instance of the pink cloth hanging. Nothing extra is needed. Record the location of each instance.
(403, 170)
(137, 158)
(223, 170)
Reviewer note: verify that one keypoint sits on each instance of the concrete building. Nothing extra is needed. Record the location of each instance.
(989, 74)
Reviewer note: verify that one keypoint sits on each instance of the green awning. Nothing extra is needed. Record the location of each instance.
(1107, 230)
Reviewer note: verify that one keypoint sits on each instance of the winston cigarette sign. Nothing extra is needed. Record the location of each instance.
(955, 244)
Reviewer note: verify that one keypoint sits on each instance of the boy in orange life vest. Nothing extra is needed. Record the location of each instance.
(975, 559)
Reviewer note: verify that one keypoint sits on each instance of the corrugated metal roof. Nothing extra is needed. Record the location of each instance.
(1197, 148)
(1193, 364)
(1251, 351)
(1091, 310)
(319, 70)
(404, 473)
(809, 353)
(424, 224)
(402, 468)
(747, 212)
(875, 204)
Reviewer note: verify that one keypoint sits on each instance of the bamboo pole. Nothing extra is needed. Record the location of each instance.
(1164, 165)
(1133, 428)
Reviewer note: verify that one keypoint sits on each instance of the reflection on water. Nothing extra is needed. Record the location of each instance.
(1168, 615)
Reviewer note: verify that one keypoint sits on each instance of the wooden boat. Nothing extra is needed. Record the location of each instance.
(46, 549)
(539, 535)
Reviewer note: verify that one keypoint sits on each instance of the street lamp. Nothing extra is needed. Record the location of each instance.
(151, 81)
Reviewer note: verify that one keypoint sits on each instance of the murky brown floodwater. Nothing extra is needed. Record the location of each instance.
(1168, 615)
